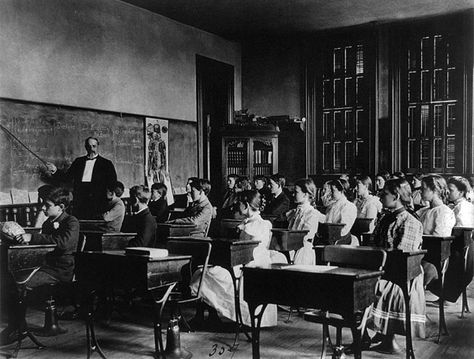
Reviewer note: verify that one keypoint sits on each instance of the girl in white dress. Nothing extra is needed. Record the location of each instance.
(460, 269)
(217, 288)
(368, 206)
(463, 210)
(305, 217)
(341, 210)
(437, 219)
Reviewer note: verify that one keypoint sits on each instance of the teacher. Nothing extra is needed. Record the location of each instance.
(91, 174)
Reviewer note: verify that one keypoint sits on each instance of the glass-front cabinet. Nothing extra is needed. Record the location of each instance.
(250, 150)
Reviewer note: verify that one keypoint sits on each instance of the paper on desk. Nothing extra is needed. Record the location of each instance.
(5, 198)
(309, 268)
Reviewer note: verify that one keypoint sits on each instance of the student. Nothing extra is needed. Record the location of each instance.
(416, 191)
(228, 201)
(158, 204)
(368, 206)
(278, 203)
(143, 222)
(437, 219)
(261, 185)
(206, 187)
(397, 229)
(43, 192)
(398, 174)
(217, 286)
(229, 195)
(341, 210)
(305, 217)
(460, 268)
(200, 211)
(115, 208)
(61, 229)
(463, 210)
(380, 179)
(242, 184)
(326, 197)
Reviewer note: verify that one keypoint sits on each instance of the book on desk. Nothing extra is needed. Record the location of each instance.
(147, 252)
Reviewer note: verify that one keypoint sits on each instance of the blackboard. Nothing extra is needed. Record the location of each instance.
(182, 152)
(57, 134)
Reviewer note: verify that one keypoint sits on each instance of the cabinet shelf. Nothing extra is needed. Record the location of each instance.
(250, 150)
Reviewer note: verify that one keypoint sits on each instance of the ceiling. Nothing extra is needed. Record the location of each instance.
(237, 19)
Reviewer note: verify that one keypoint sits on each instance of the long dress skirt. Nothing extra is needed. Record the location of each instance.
(217, 290)
(388, 312)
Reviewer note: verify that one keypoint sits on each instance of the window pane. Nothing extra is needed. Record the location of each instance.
(451, 152)
(439, 85)
(350, 91)
(425, 113)
(438, 120)
(337, 156)
(413, 57)
(360, 124)
(426, 60)
(338, 93)
(412, 154)
(348, 155)
(439, 51)
(425, 154)
(327, 93)
(425, 86)
(413, 87)
(338, 58)
(326, 117)
(450, 84)
(349, 59)
(338, 128)
(438, 153)
(348, 123)
(451, 121)
(411, 121)
(360, 60)
(361, 95)
(326, 156)
(359, 154)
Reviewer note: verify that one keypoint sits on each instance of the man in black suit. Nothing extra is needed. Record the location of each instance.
(279, 203)
(91, 175)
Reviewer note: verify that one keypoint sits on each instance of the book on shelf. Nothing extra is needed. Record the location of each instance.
(147, 252)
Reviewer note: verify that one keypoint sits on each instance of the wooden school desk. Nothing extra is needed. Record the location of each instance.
(438, 251)
(228, 253)
(286, 240)
(116, 270)
(344, 291)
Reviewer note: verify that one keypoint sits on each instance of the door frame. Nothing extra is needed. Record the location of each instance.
(202, 64)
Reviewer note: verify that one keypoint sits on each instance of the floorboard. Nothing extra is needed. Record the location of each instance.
(132, 337)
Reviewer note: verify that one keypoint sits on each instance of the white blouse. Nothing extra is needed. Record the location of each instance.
(368, 207)
(464, 213)
(256, 228)
(342, 211)
(305, 217)
(437, 221)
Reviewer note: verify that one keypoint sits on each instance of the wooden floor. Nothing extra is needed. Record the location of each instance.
(125, 338)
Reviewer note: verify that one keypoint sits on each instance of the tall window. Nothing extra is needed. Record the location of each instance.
(431, 104)
(343, 113)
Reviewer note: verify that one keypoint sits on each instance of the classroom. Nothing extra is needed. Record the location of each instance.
(236, 179)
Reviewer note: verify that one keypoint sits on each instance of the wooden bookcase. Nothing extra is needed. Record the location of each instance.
(250, 150)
